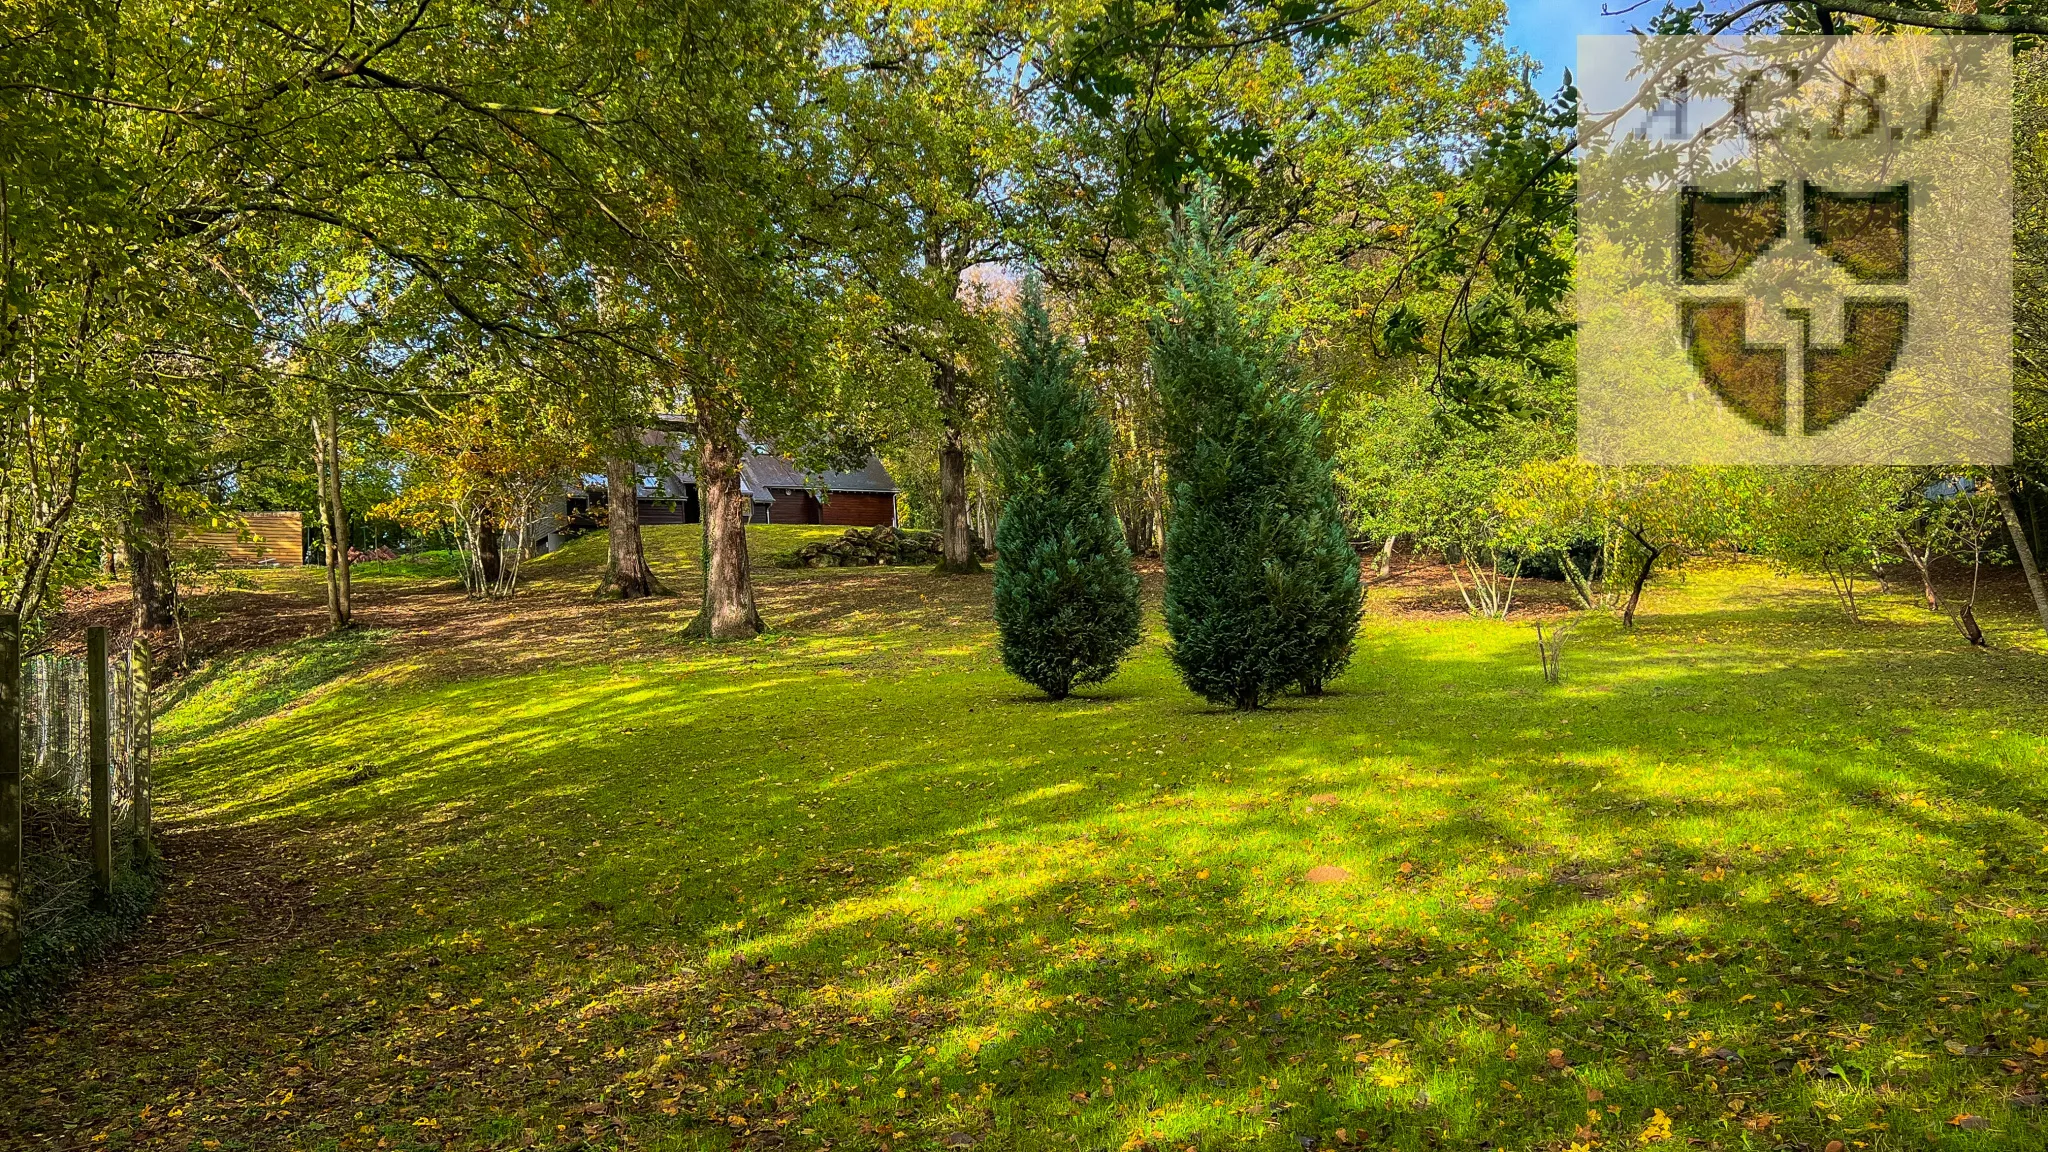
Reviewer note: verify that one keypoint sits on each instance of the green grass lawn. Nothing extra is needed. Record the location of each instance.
(1751, 877)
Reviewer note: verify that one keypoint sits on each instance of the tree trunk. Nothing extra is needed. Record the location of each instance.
(2002, 484)
(333, 517)
(729, 612)
(1138, 529)
(626, 574)
(147, 543)
(1924, 564)
(1967, 621)
(1635, 594)
(490, 562)
(956, 544)
(1384, 565)
(2034, 522)
(44, 543)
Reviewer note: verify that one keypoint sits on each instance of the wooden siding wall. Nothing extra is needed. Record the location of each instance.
(859, 509)
(666, 511)
(793, 506)
(277, 536)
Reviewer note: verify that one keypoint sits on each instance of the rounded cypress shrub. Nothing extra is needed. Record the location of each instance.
(1066, 598)
(1262, 586)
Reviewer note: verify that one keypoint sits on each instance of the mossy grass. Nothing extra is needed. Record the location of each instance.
(1751, 875)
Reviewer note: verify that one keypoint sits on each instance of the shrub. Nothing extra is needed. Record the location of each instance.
(1066, 600)
(1262, 586)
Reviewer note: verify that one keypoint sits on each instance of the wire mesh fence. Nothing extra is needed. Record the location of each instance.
(81, 814)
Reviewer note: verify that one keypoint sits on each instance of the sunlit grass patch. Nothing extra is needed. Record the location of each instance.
(436, 564)
(235, 690)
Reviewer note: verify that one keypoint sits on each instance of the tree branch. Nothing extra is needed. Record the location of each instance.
(1949, 21)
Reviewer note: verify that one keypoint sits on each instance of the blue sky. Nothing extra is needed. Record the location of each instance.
(1549, 30)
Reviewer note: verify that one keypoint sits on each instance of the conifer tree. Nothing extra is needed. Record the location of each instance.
(1262, 587)
(1066, 600)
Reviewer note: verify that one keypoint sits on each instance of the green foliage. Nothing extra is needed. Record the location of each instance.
(1289, 107)
(1839, 521)
(1487, 266)
(1644, 518)
(1262, 586)
(1066, 599)
(1411, 464)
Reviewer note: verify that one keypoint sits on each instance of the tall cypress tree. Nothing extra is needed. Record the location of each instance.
(1262, 588)
(1066, 598)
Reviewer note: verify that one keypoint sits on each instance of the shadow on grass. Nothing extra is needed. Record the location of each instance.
(1768, 875)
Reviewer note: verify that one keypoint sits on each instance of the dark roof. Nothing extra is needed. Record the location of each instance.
(760, 470)
(771, 471)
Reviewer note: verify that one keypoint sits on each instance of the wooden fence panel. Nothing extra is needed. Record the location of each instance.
(100, 760)
(84, 785)
(10, 790)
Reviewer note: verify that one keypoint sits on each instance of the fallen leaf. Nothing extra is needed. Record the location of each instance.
(1556, 1058)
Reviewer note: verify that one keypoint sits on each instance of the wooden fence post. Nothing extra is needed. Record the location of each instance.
(10, 790)
(138, 747)
(100, 764)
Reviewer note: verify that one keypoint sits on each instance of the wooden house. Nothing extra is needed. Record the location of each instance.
(780, 492)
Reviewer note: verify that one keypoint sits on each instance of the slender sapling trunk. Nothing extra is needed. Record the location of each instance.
(1635, 593)
(2002, 484)
(1923, 563)
(333, 516)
